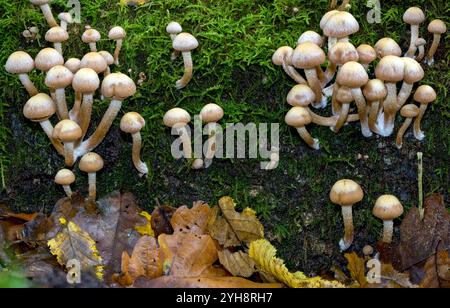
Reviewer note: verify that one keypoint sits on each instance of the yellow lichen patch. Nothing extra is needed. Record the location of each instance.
(147, 228)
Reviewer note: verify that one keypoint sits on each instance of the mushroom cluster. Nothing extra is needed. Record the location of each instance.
(68, 136)
(366, 76)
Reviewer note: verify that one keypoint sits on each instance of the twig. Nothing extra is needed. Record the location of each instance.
(420, 183)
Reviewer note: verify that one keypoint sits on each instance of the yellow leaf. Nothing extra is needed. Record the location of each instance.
(132, 2)
(147, 228)
(264, 255)
(357, 268)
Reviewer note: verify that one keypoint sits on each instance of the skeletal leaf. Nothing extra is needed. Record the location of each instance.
(237, 263)
(147, 228)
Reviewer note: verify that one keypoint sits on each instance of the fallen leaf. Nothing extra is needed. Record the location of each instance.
(161, 217)
(12, 224)
(133, 2)
(193, 220)
(208, 282)
(237, 263)
(147, 228)
(437, 271)
(392, 279)
(357, 268)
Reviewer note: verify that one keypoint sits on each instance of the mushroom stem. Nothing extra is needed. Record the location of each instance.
(85, 113)
(314, 83)
(93, 47)
(342, 118)
(335, 105)
(68, 190)
(373, 116)
(188, 69)
(48, 129)
(75, 112)
(331, 42)
(47, 11)
(418, 133)
(175, 53)
(117, 51)
(61, 104)
(349, 232)
(186, 140)
(401, 132)
(211, 144)
(362, 111)
(28, 84)
(69, 154)
(293, 73)
(330, 121)
(138, 163)
(421, 53)
(329, 73)
(92, 177)
(389, 109)
(404, 94)
(312, 142)
(433, 48)
(412, 45)
(58, 48)
(388, 230)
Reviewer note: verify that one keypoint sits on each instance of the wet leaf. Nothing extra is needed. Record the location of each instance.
(437, 271)
(390, 278)
(237, 263)
(208, 282)
(12, 224)
(161, 217)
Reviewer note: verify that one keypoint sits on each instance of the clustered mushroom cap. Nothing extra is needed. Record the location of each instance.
(91, 36)
(117, 33)
(64, 177)
(298, 117)
(47, 58)
(67, 131)
(414, 16)
(211, 113)
(56, 35)
(283, 55)
(425, 94)
(118, 86)
(413, 71)
(346, 192)
(375, 90)
(387, 47)
(39, 108)
(67, 17)
(301, 95)
(343, 52)
(366, 53)
(437, 26)
(107, 56)
(312, 37)
(344, 95)
(308, 56)
(420, 42)
(95, 61)
(73, 64)
(174, 28)
(409, 111)
(91, 163)
(353, 75)
(85, 81)
(185, 42)
(387, 207)
(19, 62)
(132, 123)
(340, 24)
(58, 77)
(176, 116)
(390, 69)
(326, 18)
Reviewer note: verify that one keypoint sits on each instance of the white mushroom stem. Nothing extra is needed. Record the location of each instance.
(373, 116)
(404, 94)
(28, 84)
(330, 121)
(67, 190)
(61, 104)
(211, 144)
(186, 140)
(342, 117)
(329, 73)
(401, 132)
(362, 111)
(69, 153)
(63, 24)
(48, 129)
(75, 112)
(433, 48)
(175, 53)
(388, 230)
(421, 53)
(47, 11)
(335, 105)
(93, 46)
(86, 113)
(314, 83)
(92, 177)
(138, 163)
(389, 109)
(418, 133)
(412, 45)
(293, 73)
(117, 51)
(304, 134)
(347, 240)
(58, 48)
(188, 69)
(331, 42)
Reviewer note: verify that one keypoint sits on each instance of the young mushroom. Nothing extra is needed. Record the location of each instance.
(367, 55)
(413, 73)
(420, 44)
(91, 163)
(109, 60)
(174, 28)
(299, 117)
(48, 58)
(95, 61)
(387, 208)
(46, 10)
(346, 193)
(65, 178)
(339, 26)
(283, 57)
(185, 43)
(66, 19)
(22, 64)
(117, 34)
(413, 16)
(178, 119)
(375, 92)
(132, 123)
(73, 64)
(68, 132)
(343, 97)
(59, 77)
(437, 27)
(211, 114)
(424, 95)
(409, 112)
(387, 47)
(310, 36)
(91, 37)
(338, 55)
(57, 35)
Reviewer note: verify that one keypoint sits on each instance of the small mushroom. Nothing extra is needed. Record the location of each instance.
(109, 60)
(343, 97)
(312, 37)
(66, 19)
(437, 27)
(409, 112)
(413, 16)
(117, 34)
(420, 44)
(299, 117)
(91, 37)
(367, 55)
(375, 92)
(413, 73)
(387, 208)
(178, 119)
(57, 35)
(339, 26)
(48, 58)
(338, 55)
(174, 28)
(73, 64)
(132, 123)
(283, 57)
(65, 178)
(367, 250)
(387, 47)
(424, 95)
(91, 163)
(59, 77)
(95, 61)
(211, 114)
(185, 43)
(22, 64)
(46, 10)
(346, 193)
(68, 132)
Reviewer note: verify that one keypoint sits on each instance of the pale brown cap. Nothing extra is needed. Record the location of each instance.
(387, 47)
(344, 95)
(409, 111)
(387, 207)
(67, 17)
(185, 42)
(73, 64)
(39, 108)
(107, 56)
(425, 94)
(420, 42)
(413, 71)
(91, 163)
(437, 26)
(343, 52)
(67, 131)
(95, 61)
(176, 116)
(174, 28)
(301, 96)
(326, 17)
(283, 54)
(414, 16)
(390, 69)
(353, 75)
(65, 177)
(367, 53)
(375, 90)
(47, 58)
(308, 56)
(85, 81)
(19, 62)
(312, 37)
(211, 113)
(118, 86)
(58, 77)
(132, 123)
(56, 35)
(298, 117)
(117, 33)
(340, 24)
(91, 36)
(346, 193)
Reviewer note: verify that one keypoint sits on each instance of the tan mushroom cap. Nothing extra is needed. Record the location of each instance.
(387, 47)
(56, 35)
(174, 28)
(340, 24)
(420, 42)
(353, 75)
(387, 207)
(410, 111)
(343, 52)
(132, 123)
(91, 36)
(39, 108)
(58, 77)
(211, 113)
(301, 95)
(95, 61)
(414, 16)
(344, 95)
(390, 69)
(117, 33)
(67, 131)
(437, 26)
(298, 117)
(346, 192)
(176, 116)
(413, 71)
(85, 81)
(73, 64)
(64, 177)
(19, 62)
(366, 53)
(312, 37)
(67, 17)
(118, 86)
(107, 56)
(48, 58)
(425, 94)
(185, 42)
(282, 55)
(91, 163)
(308, 56)
(326, 17)
(375, 90)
